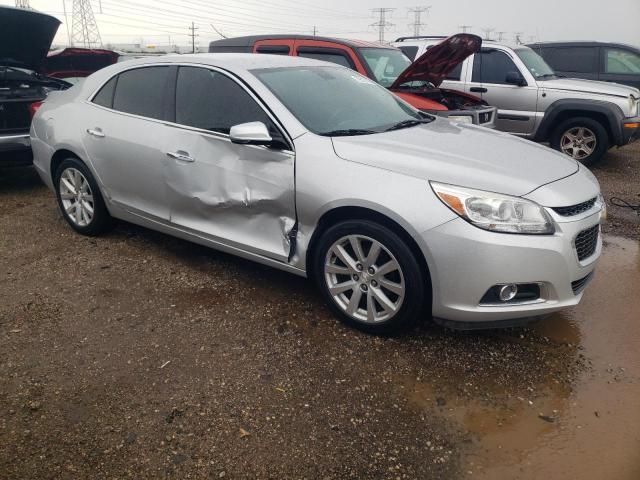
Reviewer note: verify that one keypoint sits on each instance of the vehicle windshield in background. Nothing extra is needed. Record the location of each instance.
(336, 101)
(535, 64)
(386, 64)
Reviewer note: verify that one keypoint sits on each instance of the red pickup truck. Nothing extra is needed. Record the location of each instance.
(417, 83)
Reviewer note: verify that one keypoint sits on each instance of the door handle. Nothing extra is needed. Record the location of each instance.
(181, 156)
(478, 90)
(96, 132)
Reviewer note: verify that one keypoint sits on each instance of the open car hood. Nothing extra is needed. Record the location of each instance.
(436, 63)
(78, 62)
(25, 37)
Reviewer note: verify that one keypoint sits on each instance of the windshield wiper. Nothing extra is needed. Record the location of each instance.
(409, 123)
(348, 132)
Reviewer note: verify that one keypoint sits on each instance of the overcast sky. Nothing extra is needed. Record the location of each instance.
(160, 21)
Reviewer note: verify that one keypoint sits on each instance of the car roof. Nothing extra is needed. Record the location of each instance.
(433, 40)
(580, 43)
(250, 40)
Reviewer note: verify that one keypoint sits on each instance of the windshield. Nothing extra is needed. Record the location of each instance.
(385, 64)
(535, 63)
(327, 100)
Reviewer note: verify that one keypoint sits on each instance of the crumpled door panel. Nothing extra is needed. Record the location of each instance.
(243, 196)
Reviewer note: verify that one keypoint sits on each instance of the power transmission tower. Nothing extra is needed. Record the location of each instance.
(22, 4)
(193, 36)
(417, 20)
(84, 29)
(500, 35)
(382, 24)
(487, 33)
(517, 37)
(464, 28)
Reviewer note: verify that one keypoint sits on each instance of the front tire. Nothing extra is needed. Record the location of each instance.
(583, 139)
(369, 277)
(79, 198)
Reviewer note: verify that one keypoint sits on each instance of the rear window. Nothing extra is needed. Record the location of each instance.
(142, 92)
(572, 59)
(326, 56)
(104, 97)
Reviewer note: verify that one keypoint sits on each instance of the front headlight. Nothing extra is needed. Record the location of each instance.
(634, 105)
(461, 118)
(495, 212)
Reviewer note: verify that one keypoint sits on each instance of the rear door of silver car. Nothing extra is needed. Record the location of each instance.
(123, 135)
(239, 195)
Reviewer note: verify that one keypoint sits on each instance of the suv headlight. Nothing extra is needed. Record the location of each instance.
(634, 105)
(461, 118)
(495, 212)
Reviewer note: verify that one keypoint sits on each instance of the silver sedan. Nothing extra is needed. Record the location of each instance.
(314, 169)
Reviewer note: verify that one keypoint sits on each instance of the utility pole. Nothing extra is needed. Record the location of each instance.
(23, 4)
(84, 29)
(382, 24)
(417, 20)
(487, 33)
(464, 28)
(315, 31)
(193, 36)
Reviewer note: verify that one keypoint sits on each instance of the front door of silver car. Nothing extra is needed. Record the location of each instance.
(240, 194)
(124, 136)
(496, 77)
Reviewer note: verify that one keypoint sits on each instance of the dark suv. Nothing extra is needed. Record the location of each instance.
(608, 62)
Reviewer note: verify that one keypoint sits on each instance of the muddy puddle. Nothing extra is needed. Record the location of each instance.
(587, 429)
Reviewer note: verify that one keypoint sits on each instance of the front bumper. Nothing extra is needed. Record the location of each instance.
(630, 130)
(465, 261)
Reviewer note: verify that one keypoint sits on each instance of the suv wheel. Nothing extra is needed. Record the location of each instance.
(79, 198)
(369, 277)
(582, 138)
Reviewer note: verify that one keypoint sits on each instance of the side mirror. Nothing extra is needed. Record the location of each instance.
(252, 133)
(515, 78)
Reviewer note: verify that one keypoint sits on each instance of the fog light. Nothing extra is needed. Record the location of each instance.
(508, 292)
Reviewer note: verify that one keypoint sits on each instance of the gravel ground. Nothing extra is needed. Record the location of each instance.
(137, 355)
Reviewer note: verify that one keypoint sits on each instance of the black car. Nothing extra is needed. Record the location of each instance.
(25, 38)
(607, 62)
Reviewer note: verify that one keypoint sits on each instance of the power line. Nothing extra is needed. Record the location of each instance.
(84, 29)
(382, 23)
(417, 20)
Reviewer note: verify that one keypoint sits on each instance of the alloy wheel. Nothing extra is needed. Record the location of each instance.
(364, 279)
(578, 142)
(76, 196)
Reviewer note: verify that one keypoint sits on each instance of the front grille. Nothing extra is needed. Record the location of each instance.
(485, 117)
(579, 285)
(586, 242)
(575, 209)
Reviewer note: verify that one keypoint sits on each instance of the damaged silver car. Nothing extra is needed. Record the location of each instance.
(314, 169)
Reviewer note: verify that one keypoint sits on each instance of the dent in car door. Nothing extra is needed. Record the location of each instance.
(124, 141)
(517, 105)
(239, 195)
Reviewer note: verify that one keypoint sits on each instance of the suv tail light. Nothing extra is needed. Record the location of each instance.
(33, 108)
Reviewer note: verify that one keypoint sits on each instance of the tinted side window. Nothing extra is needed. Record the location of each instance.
(492, 67)
(572, 59)
(338, 58)
(141, 91)
(105, 96)
(212, 101)
(621, 61)
(410, 52)
(274, 49)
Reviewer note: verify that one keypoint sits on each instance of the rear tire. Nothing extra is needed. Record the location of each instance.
(80, 200)
(369, 277)
(583, 139)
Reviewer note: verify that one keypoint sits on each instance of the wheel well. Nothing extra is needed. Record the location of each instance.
(341, 214)
(601, 118)
(58, 158)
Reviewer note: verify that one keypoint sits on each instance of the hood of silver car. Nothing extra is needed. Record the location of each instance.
(590, 86)
(467, 156)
